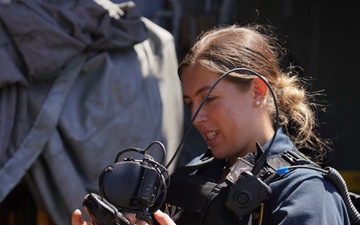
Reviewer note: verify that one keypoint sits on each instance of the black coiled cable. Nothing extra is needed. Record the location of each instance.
(333, 175)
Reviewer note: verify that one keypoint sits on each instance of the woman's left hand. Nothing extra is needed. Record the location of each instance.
(77, 220)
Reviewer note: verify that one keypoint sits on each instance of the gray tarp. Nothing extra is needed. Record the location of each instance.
(77, 85)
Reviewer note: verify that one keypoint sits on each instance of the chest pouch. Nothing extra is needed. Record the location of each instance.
(192, 196)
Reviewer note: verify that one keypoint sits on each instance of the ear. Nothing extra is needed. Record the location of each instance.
(260, 89)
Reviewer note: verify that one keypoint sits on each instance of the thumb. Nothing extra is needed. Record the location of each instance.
(163, 218)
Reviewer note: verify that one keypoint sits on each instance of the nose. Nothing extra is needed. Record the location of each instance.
(200, 117)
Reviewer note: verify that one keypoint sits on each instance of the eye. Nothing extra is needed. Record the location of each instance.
(210, 99)
(188, 105)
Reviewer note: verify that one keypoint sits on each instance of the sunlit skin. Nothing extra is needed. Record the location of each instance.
(230, 122)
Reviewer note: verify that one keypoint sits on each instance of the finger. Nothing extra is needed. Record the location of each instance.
(163, 218)
(131, 217)
(141, 222)
(76, 217)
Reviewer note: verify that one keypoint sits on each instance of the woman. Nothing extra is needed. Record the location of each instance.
(239, 112)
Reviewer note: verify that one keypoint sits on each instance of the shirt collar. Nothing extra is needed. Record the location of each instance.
(281, 143)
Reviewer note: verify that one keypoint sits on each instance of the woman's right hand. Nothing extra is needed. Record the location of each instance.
(160, 216)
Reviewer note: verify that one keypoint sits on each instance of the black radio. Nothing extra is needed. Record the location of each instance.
(135, 186)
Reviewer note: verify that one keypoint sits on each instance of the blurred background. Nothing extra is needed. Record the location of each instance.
(322, 38)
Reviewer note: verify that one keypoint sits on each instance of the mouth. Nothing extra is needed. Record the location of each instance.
(210, 135)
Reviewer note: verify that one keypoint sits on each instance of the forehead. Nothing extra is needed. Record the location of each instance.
(194, 77)
(196, 82)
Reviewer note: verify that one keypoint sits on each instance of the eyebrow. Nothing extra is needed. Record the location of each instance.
(201, 90)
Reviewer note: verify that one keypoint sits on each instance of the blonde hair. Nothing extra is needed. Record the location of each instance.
(255, 47)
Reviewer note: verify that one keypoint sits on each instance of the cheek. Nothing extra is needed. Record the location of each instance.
(230, 119)
(239, 117)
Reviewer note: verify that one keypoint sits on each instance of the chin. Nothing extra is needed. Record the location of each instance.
(219, 155)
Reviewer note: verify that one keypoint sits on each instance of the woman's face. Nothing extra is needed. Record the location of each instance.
(229, 119)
